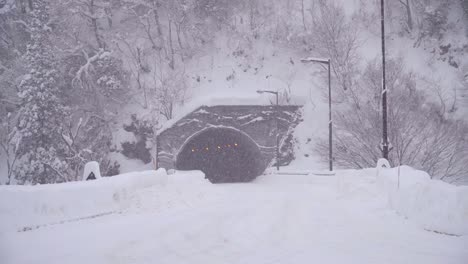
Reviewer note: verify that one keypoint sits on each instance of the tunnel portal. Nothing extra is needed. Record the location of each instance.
(223, 154)
(247, 137)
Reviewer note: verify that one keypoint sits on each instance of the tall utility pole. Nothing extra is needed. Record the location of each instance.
(330, 120)
(384, 87)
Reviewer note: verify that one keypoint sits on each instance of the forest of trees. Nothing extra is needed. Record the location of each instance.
(67, 67)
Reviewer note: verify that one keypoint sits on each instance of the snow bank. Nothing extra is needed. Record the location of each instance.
(307, 133)
(23, 206)
(188, 178)
(433, 204)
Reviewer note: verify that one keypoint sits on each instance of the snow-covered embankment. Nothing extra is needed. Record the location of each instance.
(29, 206)
(432, 204)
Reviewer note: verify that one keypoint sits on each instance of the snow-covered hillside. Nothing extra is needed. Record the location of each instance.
(235, 65)
(181, 218)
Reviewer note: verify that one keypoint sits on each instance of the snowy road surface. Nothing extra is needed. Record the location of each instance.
(275, 219)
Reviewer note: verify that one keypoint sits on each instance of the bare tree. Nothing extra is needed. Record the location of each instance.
(8, 144)
(419, 134)
(94, 12)
(333, 36)
(409, 15)
(138, 68)
(303, 15)
(148, 20)
(171, 91)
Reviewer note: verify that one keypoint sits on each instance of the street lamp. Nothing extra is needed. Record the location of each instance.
(330, 144)
(277, 127)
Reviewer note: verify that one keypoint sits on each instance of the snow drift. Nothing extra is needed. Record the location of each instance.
(23, 206)
(433, 204)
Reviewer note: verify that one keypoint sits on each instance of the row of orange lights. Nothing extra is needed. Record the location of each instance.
(218, 147)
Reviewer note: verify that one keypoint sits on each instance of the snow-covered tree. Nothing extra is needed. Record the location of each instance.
(40, 148)
(88, 138)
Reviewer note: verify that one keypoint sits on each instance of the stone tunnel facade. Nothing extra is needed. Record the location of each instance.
(232, 143)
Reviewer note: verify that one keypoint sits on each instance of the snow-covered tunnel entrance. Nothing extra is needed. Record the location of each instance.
(182, 142)
(223, 154)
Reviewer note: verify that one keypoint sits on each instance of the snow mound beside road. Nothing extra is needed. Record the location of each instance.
(22, 206)
(433, 204)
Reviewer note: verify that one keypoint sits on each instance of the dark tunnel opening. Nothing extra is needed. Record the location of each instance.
(223, 154)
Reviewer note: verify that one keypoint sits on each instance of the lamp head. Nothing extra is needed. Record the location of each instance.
(319, 60)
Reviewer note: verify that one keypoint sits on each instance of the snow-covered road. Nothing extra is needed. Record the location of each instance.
(275, 219)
